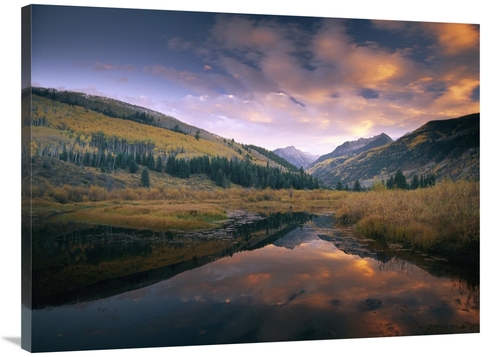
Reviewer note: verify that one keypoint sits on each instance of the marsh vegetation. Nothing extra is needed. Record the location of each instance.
(443, 218)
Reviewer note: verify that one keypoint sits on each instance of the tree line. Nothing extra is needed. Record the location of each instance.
(225, 172)
(397, 181)
(220, 170)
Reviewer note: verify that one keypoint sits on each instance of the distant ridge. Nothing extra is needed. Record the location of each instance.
(446, 148)
(296, 157)
(356, 147)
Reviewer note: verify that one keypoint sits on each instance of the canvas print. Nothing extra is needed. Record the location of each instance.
(194, 178)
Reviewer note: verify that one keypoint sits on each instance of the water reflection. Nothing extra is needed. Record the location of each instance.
(95, 262)
(288, 278)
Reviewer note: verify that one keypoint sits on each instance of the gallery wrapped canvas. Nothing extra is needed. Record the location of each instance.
(201, 178)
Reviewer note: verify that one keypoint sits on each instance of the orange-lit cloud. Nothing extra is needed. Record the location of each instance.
(314, 89)
(456, 38)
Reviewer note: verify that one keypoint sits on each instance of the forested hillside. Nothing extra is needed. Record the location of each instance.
(122, 138)
(117, 109)
(442, 148)
(352, 148)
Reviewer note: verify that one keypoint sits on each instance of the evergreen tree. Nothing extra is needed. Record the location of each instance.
(133, 167)
(184, 169)
(120, 161)
(171, 166)
(159, 164)
(357, 186)
(150, 162)
(400, 180)
(145, 178)
(339, 186)
(219, 178)
(390, 183)
(415, 183)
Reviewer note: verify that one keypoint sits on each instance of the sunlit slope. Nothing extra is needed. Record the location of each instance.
(62, 127)
(118, 109)
(445, 148)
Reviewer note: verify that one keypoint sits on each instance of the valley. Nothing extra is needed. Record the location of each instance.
(119, 199)
(100, 161)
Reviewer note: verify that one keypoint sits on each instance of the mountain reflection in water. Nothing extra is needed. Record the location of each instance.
(278, 279)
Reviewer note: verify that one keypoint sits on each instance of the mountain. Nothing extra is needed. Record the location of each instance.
(446, 148)
(118, 109)
(296, 157)
(83, 140)
(355, 147)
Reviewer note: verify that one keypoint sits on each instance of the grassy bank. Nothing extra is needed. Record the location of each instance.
(155, 216)
(160, 209)
(443, 219)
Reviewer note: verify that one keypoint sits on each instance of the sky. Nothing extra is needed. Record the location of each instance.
(269, 80)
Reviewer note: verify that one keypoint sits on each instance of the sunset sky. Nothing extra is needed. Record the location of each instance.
(272, 81)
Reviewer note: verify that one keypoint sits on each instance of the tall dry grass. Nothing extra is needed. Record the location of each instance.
(156, 216)
(160, 208)
(442, 218)
(229, 198)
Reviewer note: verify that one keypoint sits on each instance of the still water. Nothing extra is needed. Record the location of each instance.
(288, 277)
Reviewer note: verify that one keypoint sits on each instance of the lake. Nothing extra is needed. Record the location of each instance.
(286, 277)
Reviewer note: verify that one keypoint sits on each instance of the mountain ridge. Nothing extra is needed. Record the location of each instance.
(354, 147)
(295, 156)
(446, 148)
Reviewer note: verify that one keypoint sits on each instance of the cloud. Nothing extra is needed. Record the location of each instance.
(243, 33)
(141, 100)
(200, 83)
(88, 90)
(178, 43)
(456, 38)
(321, 84)
(368, 65)
(102, 67)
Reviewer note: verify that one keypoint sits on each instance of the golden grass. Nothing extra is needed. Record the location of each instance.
(228, 198)
(444, 217)
(74, 126)
(157, 216)
(160, 208)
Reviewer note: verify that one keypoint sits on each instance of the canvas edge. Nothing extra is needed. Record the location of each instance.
(26, 187)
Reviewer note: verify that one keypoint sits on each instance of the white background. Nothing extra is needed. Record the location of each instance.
(481, 12)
